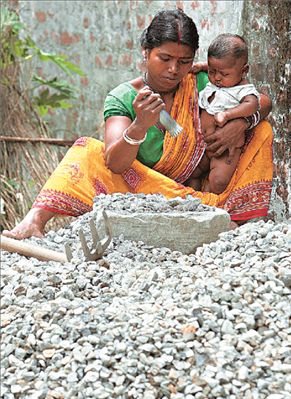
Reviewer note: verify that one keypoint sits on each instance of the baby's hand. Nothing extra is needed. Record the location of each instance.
(220, 119)
(199, 66)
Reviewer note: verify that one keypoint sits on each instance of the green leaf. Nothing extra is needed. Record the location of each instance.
(74, 68)
(9, 19)
(60, 61)
(20, 50)
(42, 109)
(30, 43)
(55, 100)
(60, 85)
(44, 96)
(65, 105)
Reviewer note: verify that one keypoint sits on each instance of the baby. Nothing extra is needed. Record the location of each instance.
(227, 96)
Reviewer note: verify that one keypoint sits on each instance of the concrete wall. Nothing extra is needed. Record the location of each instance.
(266, 26)
(102, 37)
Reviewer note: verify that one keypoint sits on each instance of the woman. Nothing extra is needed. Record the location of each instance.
(139, 156)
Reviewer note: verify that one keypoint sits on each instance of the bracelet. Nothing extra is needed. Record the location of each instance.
(253, 120)
(132, 141)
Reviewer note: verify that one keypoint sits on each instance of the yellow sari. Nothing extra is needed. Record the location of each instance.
(82, 173)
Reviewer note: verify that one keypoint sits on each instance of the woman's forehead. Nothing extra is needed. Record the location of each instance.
(175, 50)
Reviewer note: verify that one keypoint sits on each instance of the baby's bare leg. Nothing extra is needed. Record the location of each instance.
(208, 127)
(208, 124)
(195, 180)
(221, 172)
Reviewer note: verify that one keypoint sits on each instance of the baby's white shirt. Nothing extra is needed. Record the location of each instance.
(225, 97)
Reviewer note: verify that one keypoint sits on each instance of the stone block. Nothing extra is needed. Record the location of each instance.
(178, 231)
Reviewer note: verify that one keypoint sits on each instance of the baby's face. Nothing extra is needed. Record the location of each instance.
(227, 71)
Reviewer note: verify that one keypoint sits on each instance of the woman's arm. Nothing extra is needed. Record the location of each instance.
(225, 138)
(119, 154)
(265, 106)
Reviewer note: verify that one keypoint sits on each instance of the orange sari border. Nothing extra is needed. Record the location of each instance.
(61, 203)
(249, 202)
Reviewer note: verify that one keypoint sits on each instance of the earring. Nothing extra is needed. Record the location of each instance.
(145, 56)
(143, 64)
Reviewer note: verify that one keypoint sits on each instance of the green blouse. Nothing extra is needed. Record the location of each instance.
(119, 103)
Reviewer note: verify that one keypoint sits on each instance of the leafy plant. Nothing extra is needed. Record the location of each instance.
(57, 99)
(18, 46)
(25, 98)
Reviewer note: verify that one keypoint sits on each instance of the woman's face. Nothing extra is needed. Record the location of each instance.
(167, 65)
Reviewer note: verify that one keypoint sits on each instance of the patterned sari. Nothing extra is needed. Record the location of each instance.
(82, 173)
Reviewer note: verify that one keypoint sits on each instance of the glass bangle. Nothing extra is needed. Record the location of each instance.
(132, 141)
(253, 120)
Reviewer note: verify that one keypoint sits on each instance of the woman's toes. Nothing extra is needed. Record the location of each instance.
(233, 225)
(20, 234)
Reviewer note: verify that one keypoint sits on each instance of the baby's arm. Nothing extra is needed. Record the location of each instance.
(199, 66)
(248, 106)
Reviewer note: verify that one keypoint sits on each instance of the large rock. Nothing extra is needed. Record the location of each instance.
(178, 231)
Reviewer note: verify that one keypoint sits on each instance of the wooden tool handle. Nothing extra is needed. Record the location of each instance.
(29, 250)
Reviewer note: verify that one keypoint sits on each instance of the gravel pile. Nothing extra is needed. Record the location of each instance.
(150, 323)
(142, 203)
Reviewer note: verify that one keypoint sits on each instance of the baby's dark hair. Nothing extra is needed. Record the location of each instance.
(228, 44)
(170, 26)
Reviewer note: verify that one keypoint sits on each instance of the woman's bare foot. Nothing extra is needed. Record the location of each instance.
(32, 225)
(233, 225)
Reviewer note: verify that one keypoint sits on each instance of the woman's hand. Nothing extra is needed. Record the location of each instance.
(147, 106)
(119, 155)
(226, 138)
